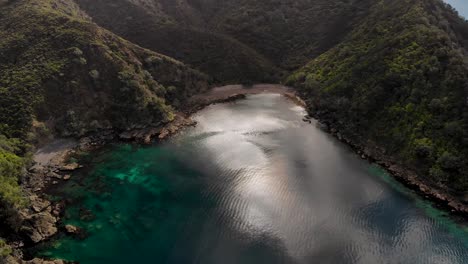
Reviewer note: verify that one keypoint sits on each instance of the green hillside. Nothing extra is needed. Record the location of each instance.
(61, 74)
(387, 74)
(400, 80)
(165, 29)
(234, 41)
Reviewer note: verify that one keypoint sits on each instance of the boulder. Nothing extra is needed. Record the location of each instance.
(86, 214)
(39, 227)
(55, 175)
(38, 204)
(58, 208)
(10, 260)
(71, 229)
(70, 167)
(75, 231)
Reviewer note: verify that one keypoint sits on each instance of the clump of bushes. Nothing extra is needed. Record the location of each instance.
(5, 249)
(11, 168)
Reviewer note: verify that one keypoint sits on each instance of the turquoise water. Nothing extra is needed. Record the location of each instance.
(251, 183)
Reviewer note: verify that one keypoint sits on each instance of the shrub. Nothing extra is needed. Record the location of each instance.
(5, 249)
(423, 147)
(448, 161)
(11, 168)
(94, 74)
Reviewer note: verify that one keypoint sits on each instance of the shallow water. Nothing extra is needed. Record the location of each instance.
(251, 183)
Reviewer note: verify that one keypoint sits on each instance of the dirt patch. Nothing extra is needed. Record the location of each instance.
(54, 152)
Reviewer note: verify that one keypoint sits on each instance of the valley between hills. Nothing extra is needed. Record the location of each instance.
(388, 78)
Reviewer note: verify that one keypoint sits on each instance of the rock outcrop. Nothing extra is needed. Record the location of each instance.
(39, 227)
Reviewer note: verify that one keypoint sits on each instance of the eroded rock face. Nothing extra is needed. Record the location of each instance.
(39, 227)
(38, 204)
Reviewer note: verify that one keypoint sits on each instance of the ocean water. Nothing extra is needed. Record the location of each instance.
(251, 183)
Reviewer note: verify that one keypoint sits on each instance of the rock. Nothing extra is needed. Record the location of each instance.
(232, 98)
(339, 136)
(164, 133)
(37, 204)
(55, 175)
(125, 135)
(71, 229)
(10, 260)
(147, 139)
(67, 177)
(70, 167)
(323, 126)
(58, 208)
(41, 261)
(37, 168)
(40, 226)
(75, 231)
(86, 215)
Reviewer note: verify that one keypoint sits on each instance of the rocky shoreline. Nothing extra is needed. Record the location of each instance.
(41, 220)
(441, 198)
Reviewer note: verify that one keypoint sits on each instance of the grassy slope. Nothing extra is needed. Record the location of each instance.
(400, 79)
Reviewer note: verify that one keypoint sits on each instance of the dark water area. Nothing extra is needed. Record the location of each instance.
(251, 183)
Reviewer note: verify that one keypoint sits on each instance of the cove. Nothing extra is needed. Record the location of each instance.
(251, 183)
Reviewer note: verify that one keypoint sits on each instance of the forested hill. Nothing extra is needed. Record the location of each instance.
(232, 40)
(55, 63)
(385, 73)
(400, 79)
(61, 74)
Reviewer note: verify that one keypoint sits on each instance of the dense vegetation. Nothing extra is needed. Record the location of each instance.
(233, 41)
(60, 74)
(400, 79)
(390, 73)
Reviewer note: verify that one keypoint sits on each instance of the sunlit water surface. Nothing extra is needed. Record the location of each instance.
(251, 183)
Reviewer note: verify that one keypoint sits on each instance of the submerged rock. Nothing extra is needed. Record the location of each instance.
(86, 214)
(75, 231)
(71, 229)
